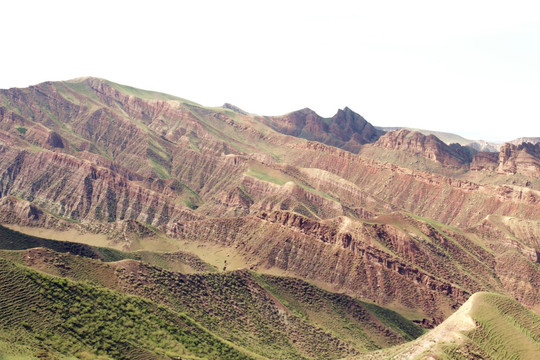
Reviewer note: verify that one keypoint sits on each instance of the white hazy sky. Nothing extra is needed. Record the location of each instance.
(468, 67)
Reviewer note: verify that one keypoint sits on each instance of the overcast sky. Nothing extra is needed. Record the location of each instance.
(468, 67)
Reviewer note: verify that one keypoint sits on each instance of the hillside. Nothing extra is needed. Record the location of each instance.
(487, 326)
(271, 316)
(58, 316)
(263, 219)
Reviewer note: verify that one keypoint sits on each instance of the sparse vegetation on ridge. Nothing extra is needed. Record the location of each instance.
(72, 318)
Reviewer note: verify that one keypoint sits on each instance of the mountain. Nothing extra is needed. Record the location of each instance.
(521, 140)
(428, 146)
(511, 159)
(346, 129)
(296, 225)
(449, 138)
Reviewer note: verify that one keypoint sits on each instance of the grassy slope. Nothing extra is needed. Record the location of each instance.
(357, 321)
(179, 261)
(505, 330)
(76, 318)
(487, 326)
(234, 306)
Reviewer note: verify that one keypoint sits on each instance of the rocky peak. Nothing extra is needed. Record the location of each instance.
(346, 129)
(350, 125)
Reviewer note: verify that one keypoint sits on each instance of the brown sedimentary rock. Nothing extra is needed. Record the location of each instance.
(427, 146)
(520, 159)
(485, 161)
(346, 129)
(92, 155)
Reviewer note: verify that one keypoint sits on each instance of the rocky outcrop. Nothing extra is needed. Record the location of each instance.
(429, 147)
(378, 261)
(346, 129)
(520, 159)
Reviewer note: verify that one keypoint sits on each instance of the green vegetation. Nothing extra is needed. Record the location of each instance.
(231, 305)
(81, 88)
(190, 204)
(358, 322)
(75, 318)
(194, 142)
(268, 175)
(159, 159)
(487, 326)
(145, 94)
(505, 330)
(21, 130)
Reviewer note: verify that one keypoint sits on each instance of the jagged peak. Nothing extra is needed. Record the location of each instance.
(346, 110)
(349, 113)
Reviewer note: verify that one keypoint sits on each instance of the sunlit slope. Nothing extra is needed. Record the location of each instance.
(245, 308)
(76, 318)
(487, 326)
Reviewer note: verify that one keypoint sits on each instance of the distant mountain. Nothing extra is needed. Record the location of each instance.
(519, 141)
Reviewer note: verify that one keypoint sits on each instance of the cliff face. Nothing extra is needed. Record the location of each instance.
(427, 146)
(485, 161)
(520, 159)
(523, 159)
(76, 189)
(512, 159)
(391, 259)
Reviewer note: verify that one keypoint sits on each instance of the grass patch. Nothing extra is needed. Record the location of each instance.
(268, 175)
